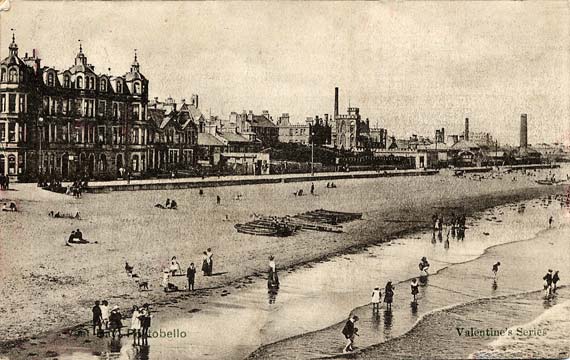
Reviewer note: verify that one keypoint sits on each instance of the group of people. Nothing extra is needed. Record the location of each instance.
(4, 182)
(331, 185)
(174, 269)
(550, 283)
(9, 206)
(170, 204)
(59, 215)
(76, 189)
(208, 262)
(107, 320)
(76, 237)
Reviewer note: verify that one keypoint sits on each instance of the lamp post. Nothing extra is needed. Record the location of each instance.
(312, 153)
(40, 134)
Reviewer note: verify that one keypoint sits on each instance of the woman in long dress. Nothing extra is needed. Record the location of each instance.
(136, 323)
(273, 279)
(205, 264)
(388, 295)
(210, 261)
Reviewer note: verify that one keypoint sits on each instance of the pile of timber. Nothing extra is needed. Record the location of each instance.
(328, 217)
(317, 220)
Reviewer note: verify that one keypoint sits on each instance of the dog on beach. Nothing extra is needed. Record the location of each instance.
(143, 285)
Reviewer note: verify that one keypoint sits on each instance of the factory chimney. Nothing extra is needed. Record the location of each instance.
(524, 134)
(466, 133)
(335, 102)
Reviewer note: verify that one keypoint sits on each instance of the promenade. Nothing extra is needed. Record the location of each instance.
(214, 181)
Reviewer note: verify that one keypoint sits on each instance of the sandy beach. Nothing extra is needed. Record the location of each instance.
(47, 286)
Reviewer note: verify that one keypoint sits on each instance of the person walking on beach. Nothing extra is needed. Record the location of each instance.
(210, 255)
(312, 189)
(96, 317)
(350, 331)
(115, 320)
(415, 289)
(555, 280)
(218, 199)
(550, 221)
(191, 275)
(376, 296)
(136, 324)
(496, 269)
(547, 283)
(388, 295)
(105, 314)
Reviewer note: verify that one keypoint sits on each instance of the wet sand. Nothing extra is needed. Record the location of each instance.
(60, 281)
(452, 299)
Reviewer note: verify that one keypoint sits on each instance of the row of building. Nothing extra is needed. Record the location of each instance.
(76, 121)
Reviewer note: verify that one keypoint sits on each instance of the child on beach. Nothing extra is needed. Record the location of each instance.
(115, 320)
(191, 275)
(136, 323)
(105, 314)
(96, 317)
(555, 279)
(376, 295)
(350, 331)
(547, 283)
(496, 269)
(414, 286)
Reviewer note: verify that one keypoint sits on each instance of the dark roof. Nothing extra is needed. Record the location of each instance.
(205, 139)
(261, 121)
(81, 68)
(134, 75)
(13, 60)
(231, 137)
(156, 115)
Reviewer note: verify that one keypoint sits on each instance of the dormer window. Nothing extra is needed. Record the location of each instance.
(79, 82)
(66, 81)
(13, 76)
(103, 85)
(3, 76)
(137, 88)
(50, 79)
(119, 87)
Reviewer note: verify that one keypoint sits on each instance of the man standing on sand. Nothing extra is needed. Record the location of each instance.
(312, 189)
(96, 317)
(191, 275)
(550, 220)
(350, 331)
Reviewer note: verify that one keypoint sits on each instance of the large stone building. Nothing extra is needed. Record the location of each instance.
(294, 133)
(76, 122)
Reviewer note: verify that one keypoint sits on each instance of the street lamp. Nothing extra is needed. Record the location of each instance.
(40, 134)
(312, 153)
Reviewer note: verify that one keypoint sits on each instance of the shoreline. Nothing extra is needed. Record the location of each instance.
(470, 205)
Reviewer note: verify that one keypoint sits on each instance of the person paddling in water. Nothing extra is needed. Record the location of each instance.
(424, 266)
(414, 286)
(555, 280)
(388, 295)
(547, 283)
(350, 331)
(376, 296)
(496, 269)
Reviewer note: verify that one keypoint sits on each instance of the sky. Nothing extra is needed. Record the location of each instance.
(410, 67)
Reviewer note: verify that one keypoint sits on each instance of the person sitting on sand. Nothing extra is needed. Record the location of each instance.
(173, 205)
(10, 207)
(424, 266)
(160, 206)
(167, 204)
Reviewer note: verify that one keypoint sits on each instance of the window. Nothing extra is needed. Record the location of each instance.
(13, 75)
(2, 133)
(137, 88)
(136, 111)
(50, 79)
(64, 106)
(66, 81)
(88, 108)
(100, 134)
(79, 82)
(116, 111)
(103, 85)
(3, 76)
(11, 132)
(22, 104)
(101, 109)
(12, 103)
(119, 86)
(2, 103)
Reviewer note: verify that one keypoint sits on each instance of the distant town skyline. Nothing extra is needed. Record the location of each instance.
(410, 67)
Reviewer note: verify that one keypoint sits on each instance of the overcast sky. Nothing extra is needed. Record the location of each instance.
(411, 67)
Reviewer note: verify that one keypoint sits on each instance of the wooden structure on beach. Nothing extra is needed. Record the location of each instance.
(316, 220)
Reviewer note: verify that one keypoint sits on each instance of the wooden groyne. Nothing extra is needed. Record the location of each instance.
(193, 183)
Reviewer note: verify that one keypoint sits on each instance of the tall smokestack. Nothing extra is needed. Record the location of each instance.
(524, 134)
(335, 102)
(466, 133)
